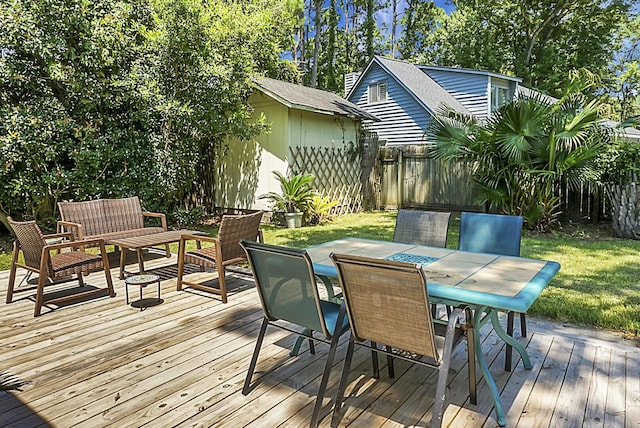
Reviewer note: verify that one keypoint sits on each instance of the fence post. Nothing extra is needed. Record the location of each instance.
(400, 177)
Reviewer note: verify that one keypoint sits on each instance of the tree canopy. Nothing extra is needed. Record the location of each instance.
(115, 97)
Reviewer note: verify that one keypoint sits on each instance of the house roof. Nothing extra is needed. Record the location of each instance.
(422, 87)
(471, 71)
(304, 98)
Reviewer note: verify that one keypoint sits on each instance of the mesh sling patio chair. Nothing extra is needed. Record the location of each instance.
(494, 234)
(224, 250)
(422, 227)
(38, 258)
(388, 304)
(428, 228)
(289, 296)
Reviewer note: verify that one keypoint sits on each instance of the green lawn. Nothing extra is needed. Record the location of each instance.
(597, 286)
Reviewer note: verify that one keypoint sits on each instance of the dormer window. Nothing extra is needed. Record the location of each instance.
(500, 95)
(377, 92)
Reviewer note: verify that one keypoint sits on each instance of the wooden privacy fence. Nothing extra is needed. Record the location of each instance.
(410, 178)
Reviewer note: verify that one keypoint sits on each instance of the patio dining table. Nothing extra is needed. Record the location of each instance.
(487, 283)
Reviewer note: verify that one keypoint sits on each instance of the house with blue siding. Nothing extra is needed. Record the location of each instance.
(405, 96)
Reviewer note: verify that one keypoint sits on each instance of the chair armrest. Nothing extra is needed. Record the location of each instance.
(200, 238)
(67, 224)
(67, 235)
(74, 244)
(162, 217)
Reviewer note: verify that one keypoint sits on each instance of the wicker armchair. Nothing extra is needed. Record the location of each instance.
(388, 304)
(38, 258)
(224, 251)
(494, 234)
(422, 227)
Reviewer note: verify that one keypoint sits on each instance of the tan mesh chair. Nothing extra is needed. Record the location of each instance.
(225, 251)
(422, 227)
(387, 304)
(38, 258)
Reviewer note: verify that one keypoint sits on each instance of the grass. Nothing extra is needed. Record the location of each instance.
(598, 285)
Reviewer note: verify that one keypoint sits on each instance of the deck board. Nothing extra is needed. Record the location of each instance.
(183, 362)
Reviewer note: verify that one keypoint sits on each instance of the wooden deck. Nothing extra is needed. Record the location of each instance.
(182, 363)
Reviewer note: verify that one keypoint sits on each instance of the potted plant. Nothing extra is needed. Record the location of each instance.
(296, 195)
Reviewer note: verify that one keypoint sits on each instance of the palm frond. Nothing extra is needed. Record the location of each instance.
(9, 382)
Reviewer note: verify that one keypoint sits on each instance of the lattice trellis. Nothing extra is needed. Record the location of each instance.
(337, 174)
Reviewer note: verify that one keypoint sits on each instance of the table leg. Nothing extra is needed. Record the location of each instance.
(488, 378)
(140, 261)
(509, 340)
(123, 261)
(141, 297)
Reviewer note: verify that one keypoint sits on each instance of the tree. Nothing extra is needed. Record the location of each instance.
(420, 20)
(520, 154)
(122, 97)
(71, 125)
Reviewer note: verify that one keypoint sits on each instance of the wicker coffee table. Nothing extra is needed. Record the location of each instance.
(138, 243)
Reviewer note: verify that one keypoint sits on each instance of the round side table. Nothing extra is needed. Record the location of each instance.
(141, 281)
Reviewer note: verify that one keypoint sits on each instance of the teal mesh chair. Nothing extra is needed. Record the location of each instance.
(289, 295)
(494, 234)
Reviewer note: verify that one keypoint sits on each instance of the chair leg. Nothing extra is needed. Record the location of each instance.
(331, 356)
(12, 272)
(167, 251)
(471, 356)
(343, 382)
(222, 283)
(40, 293)
(523, 324)
(107, 270)
(80, 279)
(508, 353)
(374, 360)
(390, 368)
(438, 408)
(181, 246)
(254, 360)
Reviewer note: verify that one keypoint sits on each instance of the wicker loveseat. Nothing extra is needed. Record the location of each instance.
(107, 219)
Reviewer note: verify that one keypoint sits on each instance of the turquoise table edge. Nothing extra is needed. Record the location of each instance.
(519, 303)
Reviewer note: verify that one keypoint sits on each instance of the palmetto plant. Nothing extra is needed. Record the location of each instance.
(9, 382)
(296, 193)
(522, 152)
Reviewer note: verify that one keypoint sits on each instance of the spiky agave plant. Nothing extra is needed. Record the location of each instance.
(9, 382)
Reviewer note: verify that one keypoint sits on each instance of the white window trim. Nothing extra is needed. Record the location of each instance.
(377, 85)
(493, 97)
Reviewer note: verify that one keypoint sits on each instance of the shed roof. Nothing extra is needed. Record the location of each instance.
(310, 99)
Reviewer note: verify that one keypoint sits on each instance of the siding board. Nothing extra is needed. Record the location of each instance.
(402, 119)
(471, 90)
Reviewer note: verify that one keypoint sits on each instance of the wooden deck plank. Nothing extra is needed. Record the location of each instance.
(544, 394)
(615, 406)
(569, 411)
(632, 391)
(516, 392)
(594, 415)
(183, 362)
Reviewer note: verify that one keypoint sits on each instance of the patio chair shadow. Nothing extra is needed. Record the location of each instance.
(10, 401)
